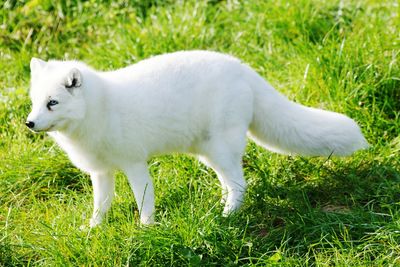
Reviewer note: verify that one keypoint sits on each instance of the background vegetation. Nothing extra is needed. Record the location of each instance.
(338, 55)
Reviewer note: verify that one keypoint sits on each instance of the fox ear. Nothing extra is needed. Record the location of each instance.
(74, 80)
(36, 65)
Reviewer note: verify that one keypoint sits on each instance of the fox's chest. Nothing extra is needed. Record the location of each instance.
(87, 156)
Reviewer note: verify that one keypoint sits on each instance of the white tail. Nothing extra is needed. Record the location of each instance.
(286, 127)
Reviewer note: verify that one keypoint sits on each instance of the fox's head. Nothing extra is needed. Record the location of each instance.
(56, 94)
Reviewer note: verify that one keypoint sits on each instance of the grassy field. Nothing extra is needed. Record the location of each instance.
(337, 55)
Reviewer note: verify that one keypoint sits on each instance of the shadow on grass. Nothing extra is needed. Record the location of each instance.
(339, 207)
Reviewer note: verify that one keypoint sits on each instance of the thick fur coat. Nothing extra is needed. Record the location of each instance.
(197, 102)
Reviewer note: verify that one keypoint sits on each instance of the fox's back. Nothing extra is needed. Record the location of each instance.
(179, 66)
(179, 94)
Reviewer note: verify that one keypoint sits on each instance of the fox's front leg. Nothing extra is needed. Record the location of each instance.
(103, 193)
(142, 188)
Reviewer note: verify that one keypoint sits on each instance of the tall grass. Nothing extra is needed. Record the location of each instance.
(338, 55)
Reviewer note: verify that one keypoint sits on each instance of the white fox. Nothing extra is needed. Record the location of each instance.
(196, 102)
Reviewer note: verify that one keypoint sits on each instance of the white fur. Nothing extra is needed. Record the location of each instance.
(198, 102)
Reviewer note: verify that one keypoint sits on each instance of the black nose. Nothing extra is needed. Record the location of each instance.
(30, 124)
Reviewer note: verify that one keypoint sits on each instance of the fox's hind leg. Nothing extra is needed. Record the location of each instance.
(224, 188)
(230, 113)
(224, 155)
(230, 175)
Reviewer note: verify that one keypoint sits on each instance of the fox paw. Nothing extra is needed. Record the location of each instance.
(94, 222)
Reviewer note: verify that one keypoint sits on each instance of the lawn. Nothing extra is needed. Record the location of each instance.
(298, 211)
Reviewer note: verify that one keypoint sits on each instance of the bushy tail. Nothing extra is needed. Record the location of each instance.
(286, 127)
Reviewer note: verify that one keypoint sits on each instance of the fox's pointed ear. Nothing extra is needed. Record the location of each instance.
(73, 80)
(36, 65)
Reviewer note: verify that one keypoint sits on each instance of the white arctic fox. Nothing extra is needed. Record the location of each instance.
(196, 102)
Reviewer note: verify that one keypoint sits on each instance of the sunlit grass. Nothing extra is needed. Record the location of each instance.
(337, 55)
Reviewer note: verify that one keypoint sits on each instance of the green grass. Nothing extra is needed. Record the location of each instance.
(338, 55)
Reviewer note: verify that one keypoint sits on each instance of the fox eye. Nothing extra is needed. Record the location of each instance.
(51, 103)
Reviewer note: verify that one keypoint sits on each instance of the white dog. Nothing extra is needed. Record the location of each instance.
(196, 102)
